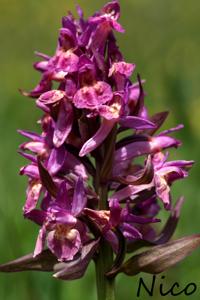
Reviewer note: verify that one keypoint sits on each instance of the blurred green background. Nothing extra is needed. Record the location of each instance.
(162, 38)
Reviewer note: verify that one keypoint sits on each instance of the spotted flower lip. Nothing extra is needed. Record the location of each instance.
(46, 100)
(122, 68)
(93, 96)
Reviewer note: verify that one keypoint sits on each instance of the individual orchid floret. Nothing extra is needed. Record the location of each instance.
(92, 97)
(121, 71)
(119, 218)
(106, 20)
(166, 173)
(61, 229)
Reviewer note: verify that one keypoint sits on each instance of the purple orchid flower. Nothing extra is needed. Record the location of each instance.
(121, 218)
(166, 173)
(86, 188)
(61, 228)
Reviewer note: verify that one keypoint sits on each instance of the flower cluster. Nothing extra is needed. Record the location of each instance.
(95, 126)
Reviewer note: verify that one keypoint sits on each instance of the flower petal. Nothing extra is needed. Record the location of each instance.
(56, 160)
(63, 124)
(155, 144)
(98, 138)
(40, 241)
(64, 249)
(79, 199)
(93, 96)
(129, 191)
(32, 195)
(136, 123)
(75, 269)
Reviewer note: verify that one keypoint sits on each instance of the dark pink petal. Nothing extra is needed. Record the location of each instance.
(122, 68)
(111, 237)
(112, 8)
(43, 106)
(35, 146)
(68, 63)
(134, 92)
(41, 66)
(163, 190)
(56, 160)
(51, 97)
(180, 163)
(74, 164)
(113, 110)
(98, 138)
(136, 123)
(67, 38)
(171, 130)
(139, 219)
(68, 22)
(79, 199)
(100, 217)
(64, 124)
(155, 144)
(70, 87)
(116, 26)
(63, 201)
(64, 217)
(130, 232)
(30, 171)
(171, 170)
(28, 156)
(108, 19)
(31, 135)
(32, 195)
(159, 159)
(115, 212)
(40, 243)
(129, 191)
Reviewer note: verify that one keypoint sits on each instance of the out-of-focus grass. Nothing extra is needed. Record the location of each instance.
(163, 39)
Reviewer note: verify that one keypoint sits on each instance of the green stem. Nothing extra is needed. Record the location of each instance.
(104, 260)
(105, 286)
